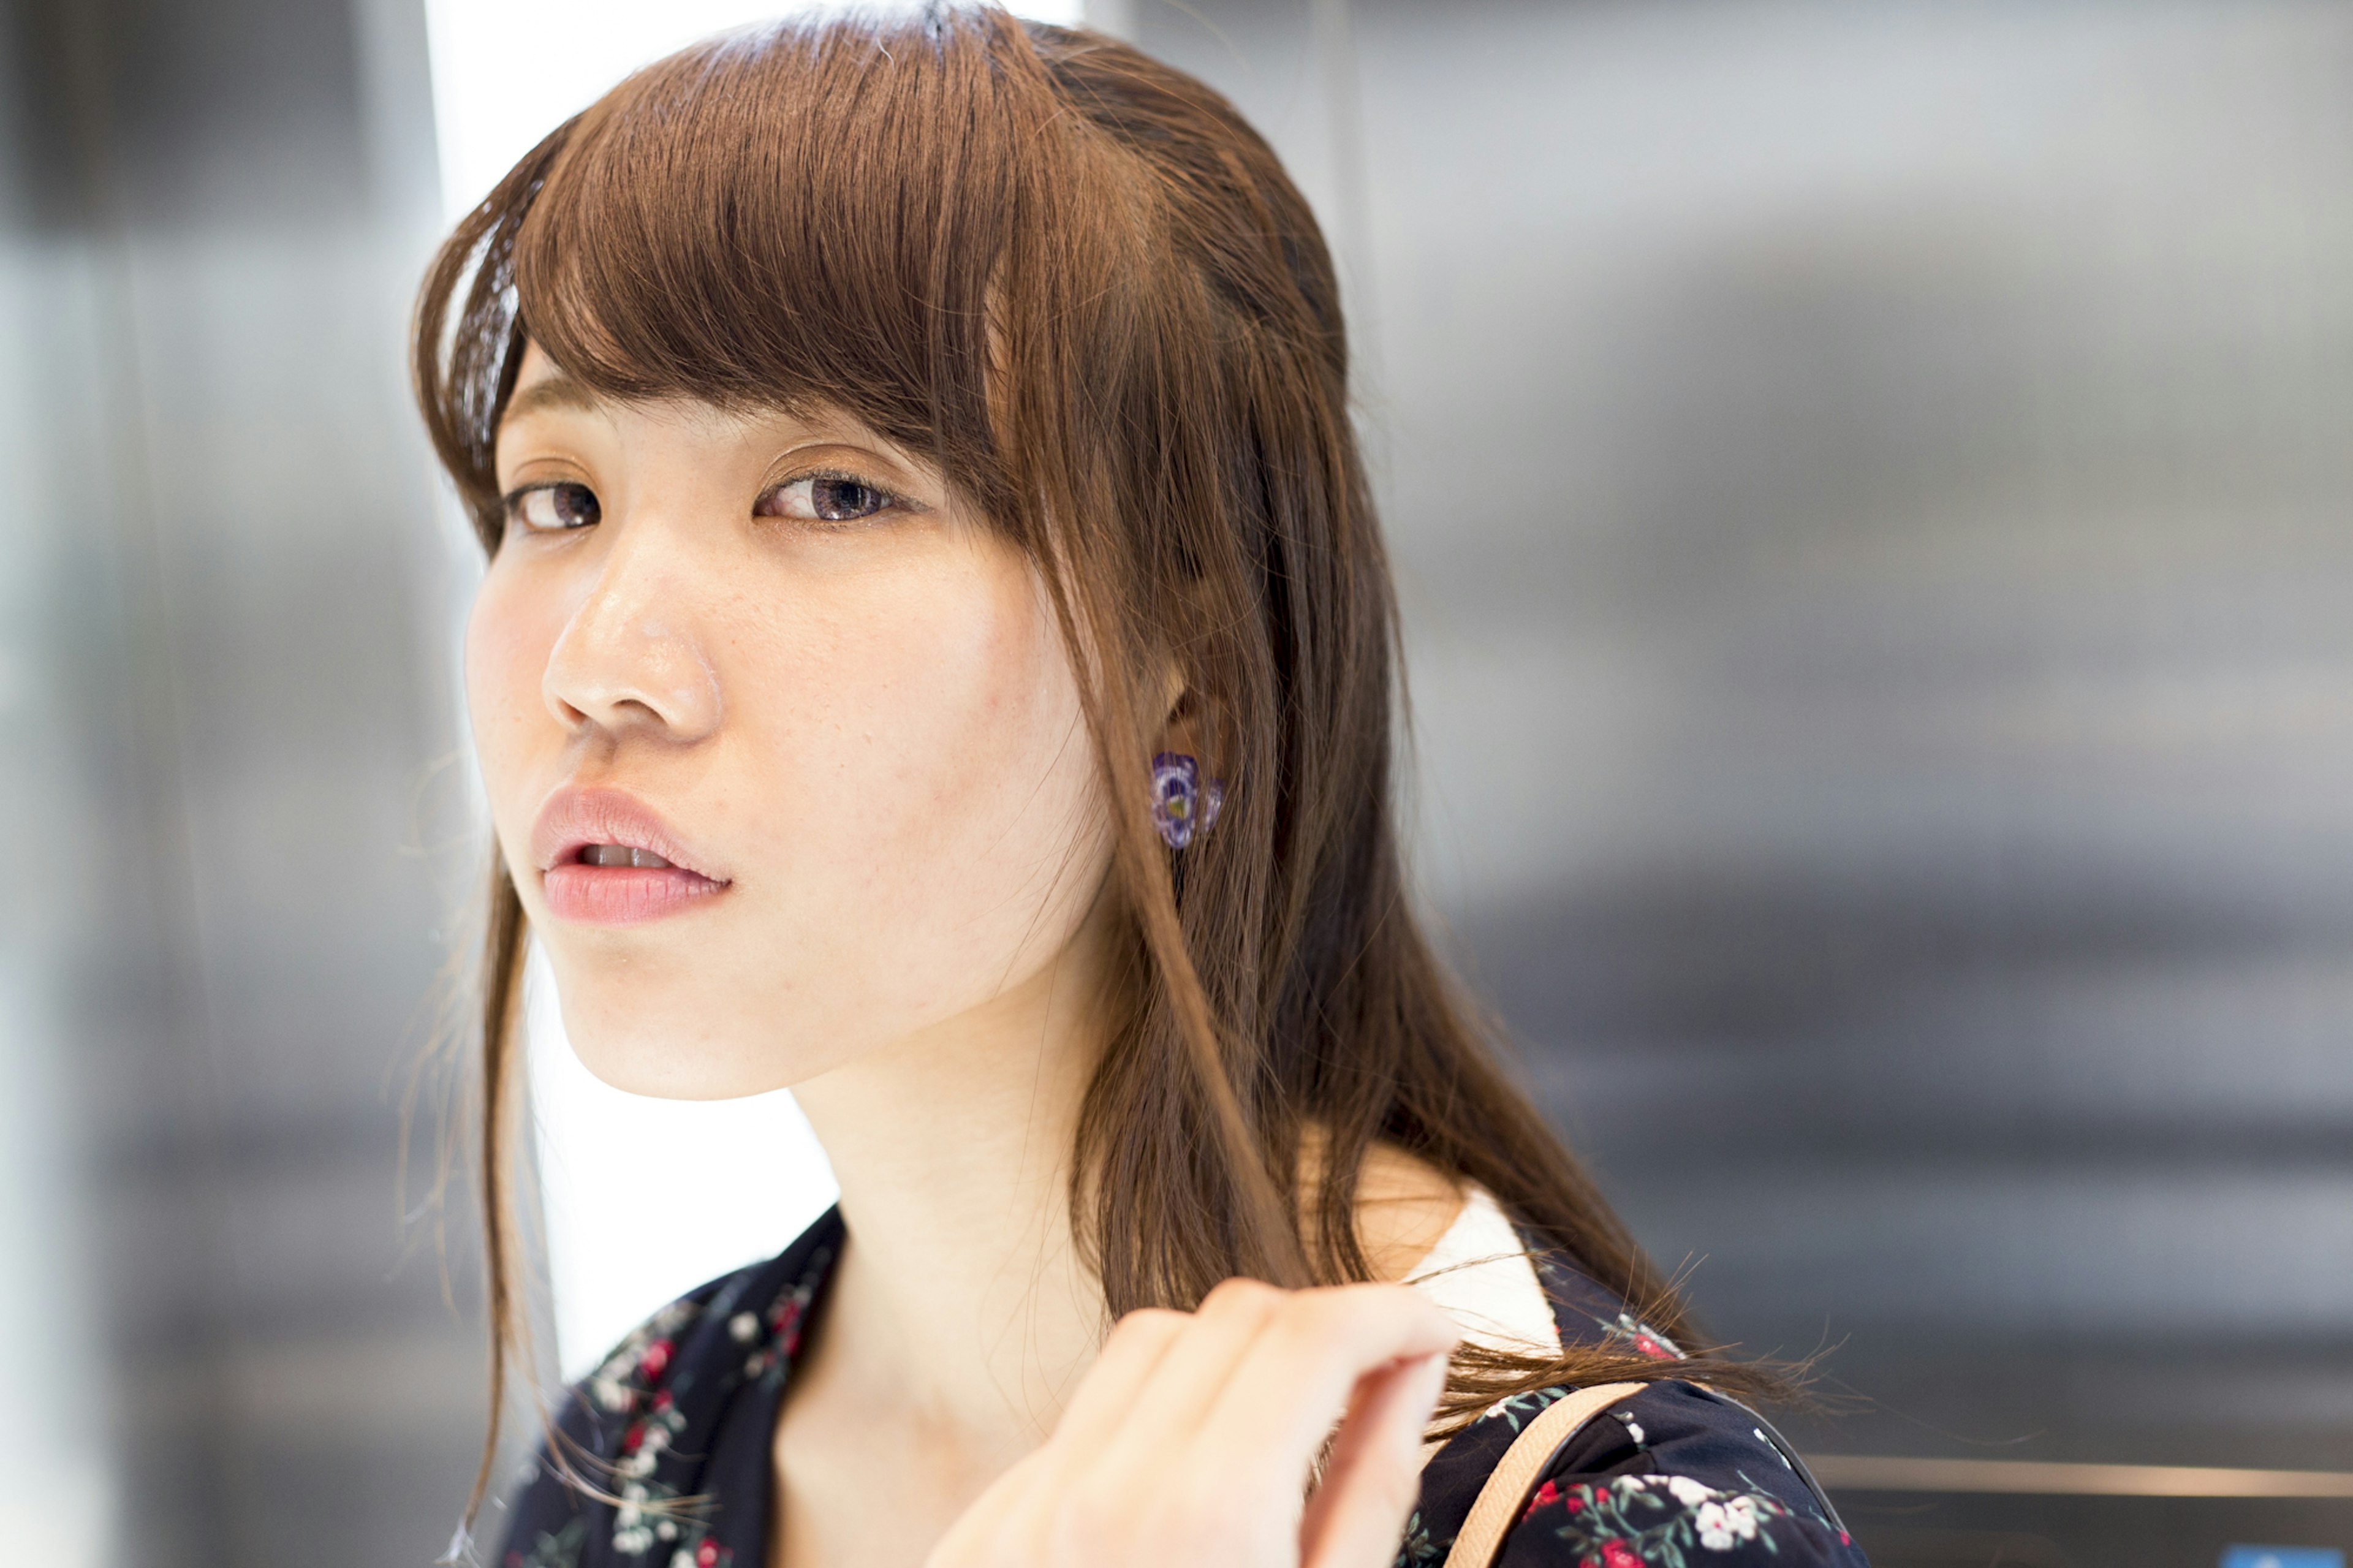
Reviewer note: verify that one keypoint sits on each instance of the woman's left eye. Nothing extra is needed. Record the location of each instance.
(554, 508)
(822, 497)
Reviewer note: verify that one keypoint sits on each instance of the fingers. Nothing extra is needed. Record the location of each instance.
(1305, 1362)
(1154, 1446)
(1185, 1383)
(1108, 1392)
(1375, 1473)
(985, 1534)
(1191, 1438)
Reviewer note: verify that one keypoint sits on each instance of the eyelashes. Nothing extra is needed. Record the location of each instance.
(556, 508)
(828, 499)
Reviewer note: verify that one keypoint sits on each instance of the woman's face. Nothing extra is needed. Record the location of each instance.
(783, 748)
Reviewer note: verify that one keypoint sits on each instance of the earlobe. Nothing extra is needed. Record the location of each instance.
(1187, 789)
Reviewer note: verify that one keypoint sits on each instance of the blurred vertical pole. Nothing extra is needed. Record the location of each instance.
(225, 673)
(151, 809)
(52, 446)
(1333, 40)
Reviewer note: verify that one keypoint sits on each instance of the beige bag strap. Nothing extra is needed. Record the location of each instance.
(1505, 1495)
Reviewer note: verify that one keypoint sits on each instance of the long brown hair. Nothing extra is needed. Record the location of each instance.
(1082, 284)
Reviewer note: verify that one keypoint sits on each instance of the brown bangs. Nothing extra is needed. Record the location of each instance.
(843, 211)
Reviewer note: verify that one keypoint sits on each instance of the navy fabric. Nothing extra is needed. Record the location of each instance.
(674, 1429)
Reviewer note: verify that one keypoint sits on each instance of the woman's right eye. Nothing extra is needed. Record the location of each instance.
(552, 509)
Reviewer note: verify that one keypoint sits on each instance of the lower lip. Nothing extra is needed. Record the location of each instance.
(623, 895)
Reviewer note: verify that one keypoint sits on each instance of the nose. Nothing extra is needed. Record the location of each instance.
(630, 659)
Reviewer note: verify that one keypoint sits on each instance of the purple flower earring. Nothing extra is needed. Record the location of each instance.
(1182, 806)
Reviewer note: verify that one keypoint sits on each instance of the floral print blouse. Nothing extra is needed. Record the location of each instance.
(677, 1424)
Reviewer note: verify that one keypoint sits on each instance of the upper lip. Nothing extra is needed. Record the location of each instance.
(576, 818)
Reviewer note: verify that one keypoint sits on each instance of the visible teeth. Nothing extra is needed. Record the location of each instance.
(622, 855)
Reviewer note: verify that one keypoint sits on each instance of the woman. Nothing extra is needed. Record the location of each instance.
(937, 654)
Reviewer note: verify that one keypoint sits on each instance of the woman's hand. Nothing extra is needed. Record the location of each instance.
(1191, 1440)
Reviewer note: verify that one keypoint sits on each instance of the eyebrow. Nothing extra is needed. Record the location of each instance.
(558, 391)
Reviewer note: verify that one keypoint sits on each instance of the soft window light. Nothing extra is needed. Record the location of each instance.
(506, 72)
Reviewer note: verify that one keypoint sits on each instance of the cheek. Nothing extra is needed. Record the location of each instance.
(508, 636)
(995, 745)
(946, 756)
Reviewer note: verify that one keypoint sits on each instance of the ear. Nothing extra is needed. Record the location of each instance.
(1172, 688)
(1189, 715)
(1181, 729)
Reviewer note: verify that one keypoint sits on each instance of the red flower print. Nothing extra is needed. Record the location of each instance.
(707, 1554)
(1646, 1339)
(1544, 1494)
(633, 1437)
(662, 1400)
(1618, 1555)
(657, 1357)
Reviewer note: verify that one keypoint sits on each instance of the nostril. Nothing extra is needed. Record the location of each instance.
(620, 666)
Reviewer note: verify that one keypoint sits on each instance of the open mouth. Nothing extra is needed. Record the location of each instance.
(619, 884)
(609, 859)
(622, 855)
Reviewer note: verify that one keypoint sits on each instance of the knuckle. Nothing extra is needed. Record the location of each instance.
(1245, 1298)
(1145, 1325)
(1242, 1287)
(1324, 1310)
(1374, 1305)
(1352, 1320)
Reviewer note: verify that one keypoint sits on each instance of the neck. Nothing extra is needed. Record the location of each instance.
(960, 1296)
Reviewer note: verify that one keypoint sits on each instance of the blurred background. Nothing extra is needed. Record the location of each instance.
(1871, 484)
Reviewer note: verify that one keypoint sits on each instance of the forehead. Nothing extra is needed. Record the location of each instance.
(539, 387)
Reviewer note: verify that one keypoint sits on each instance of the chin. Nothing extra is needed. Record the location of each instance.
(646, 1045)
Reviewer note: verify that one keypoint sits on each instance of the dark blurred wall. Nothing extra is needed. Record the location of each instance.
(1872, 484)
(225, 673)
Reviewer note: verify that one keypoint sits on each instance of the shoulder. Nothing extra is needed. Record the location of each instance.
(1677, 1473)
(1589, 1313)
(1672, 1474)
(655, 1421)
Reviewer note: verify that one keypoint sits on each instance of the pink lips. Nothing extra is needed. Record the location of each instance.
(575, 822)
